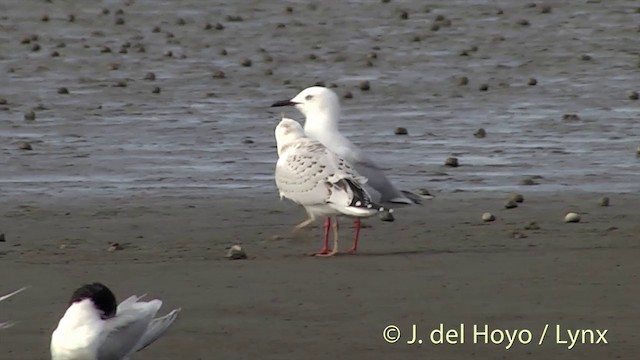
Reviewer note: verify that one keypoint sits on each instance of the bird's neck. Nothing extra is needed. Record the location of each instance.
(322, 126)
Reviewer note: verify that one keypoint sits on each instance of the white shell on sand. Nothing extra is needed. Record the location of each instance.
(572, 218)
(236, 253)
(488, 217)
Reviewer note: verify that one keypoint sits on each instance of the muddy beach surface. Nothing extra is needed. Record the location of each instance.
(178, 166)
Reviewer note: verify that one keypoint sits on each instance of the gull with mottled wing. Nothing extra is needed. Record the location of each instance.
(322, 182)
(8, 324)
(94, 328)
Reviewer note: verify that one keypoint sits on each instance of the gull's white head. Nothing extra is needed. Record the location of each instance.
(319, 105)
(287, 131)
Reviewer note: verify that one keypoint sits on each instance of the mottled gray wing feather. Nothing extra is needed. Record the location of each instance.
(304, 169)
(126, 329)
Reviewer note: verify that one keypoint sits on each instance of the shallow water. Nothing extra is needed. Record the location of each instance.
(190, 138)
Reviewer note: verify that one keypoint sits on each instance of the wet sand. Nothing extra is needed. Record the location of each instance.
(173, 178)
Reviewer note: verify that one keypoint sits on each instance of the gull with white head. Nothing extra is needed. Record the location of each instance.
(94, 328)
(310, 174)
(8, 324)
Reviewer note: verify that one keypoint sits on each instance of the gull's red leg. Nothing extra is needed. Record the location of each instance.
(356, 235)
(325, 246)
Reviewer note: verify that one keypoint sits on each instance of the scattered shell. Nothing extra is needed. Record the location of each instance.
(532, 225)
(246, 62)
(572, 217)
(633, 95)
(63, 90)
(451, 162)
(218, 75)
(234, 18)
(517, 197)
(236, 253)
(23, 145)
(463, 80)
(480, 133)
(120, 83)
(386, 216)
(156, 90)
(486, 217)
(510, 204)
(604, 201)
(518, 235)
(115, 247)
(424, 193)
(528, 182)
(30, 115)
(105, 49)
(364, 85)
(400, 131)
(168, 53)
(532, 82)
(570, 117)
(150, 76)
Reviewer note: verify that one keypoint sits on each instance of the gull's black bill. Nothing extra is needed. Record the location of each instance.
(283, 103)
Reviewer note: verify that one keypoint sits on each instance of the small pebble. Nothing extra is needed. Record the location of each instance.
(585, 57)
(208, 26)
(604, 201)
(30, 115)
(545, 9)
(528, 182)
(35, 47)
(248, 141)
(218, 75)
(463, 80)
(63, 90)
(518, 235)
(532, 82)
(54, 54)
(424, 193)
(517, 197)
(119, 12)
(487, 217)
(219, 26)
(24, 146)
(234, 18)
(633, 95)
(156, 90)
(150, 76)
(223, 52)
(71, 18)
(246, 62)
(404, 15)
(105, 11)
(523, 22)
(570, 117)
(44, 18)
(236, 253)
(2, 238)
(386, 216)
(156, 29)
(400, 131)
(119, 21)
(480, 133)
(483, 87)
(348, 95)
(638, 151)
(364, 85)
(105, 49)
(435, 27)
(120, 83)
(168, 53)
(510, 204)
(115, 247)
(180, 21)
(572, 218)
(451, 162)
(288, 9)
(532, 225)
(3, 101)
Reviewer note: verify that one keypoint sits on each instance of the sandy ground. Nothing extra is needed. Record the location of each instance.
(435, 264)
(177, 175)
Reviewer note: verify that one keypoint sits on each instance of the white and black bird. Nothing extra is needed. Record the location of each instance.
(8, 324)
(310, 174)
(94, 328)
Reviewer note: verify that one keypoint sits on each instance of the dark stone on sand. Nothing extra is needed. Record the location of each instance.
(451, 162)
(35, 47)
(44, 18)
(105, 11)
(517, 197)
(120, 83)
(105, 49)
(510, 204)
(532, 225)
(319, 83)
(181, 21)
(3, 101)
(54, 54)
(218, 75)
(30, 115)
(523, 22)
(24, 146)
(604, 201)
(462, 80)
(71, 18)
(372, 55)
(435, 27)
(545, 9)
(364, 85)
(348, 95)
(530, 5)
(219, 26)
(119, 21)
(115, 247)
(168, 53)
(480, 133)
(416, 38)
(208, 26)
(150, 76)
(156, 90)
(483, 87)
(2, 238)
(633, 95)
(247, 141)
(234, 18)
(570, 117)
(585, 57)
(63, 90)
(532, 82)
(401, 131)
(156, 29)
(312, 57)
(386, 216)
(404, 15)
(528, 182)
(288, 9)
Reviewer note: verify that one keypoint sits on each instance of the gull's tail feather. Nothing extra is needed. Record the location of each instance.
(156, 328)
(354, 200)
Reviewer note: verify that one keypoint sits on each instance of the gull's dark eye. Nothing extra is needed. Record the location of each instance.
(308, 97)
